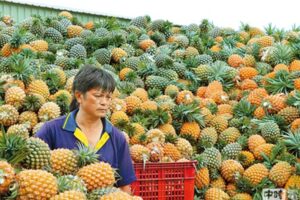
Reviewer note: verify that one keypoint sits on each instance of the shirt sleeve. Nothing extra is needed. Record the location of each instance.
(45, 134)
(126, 170)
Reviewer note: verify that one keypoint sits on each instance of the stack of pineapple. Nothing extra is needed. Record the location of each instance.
(227, 98)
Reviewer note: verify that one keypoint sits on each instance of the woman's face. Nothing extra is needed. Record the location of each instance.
(95, 102)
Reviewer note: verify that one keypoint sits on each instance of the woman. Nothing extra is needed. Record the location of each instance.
(86, 123)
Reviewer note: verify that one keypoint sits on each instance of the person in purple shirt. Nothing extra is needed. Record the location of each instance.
(86, 123)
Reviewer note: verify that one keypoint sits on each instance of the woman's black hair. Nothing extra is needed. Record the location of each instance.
(91, 77)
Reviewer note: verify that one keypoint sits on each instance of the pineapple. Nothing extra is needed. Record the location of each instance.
(118, 195)
(256, 173)
(66, 14)
(70, 195)
(8, 115)
(229, 135)
(103, 56)
(232, 150)
(118, 54)
(74, 31)
(230, 169)
(171, 151)
(242, 196)
(235, 60)
(255, 141)
(191, 130)
(184, 97)
(289, 114)
(156, 151)
(118, 105)
(213, 157)
(147, 43)
(36, 184)
(156, 82)
(63, 161)
(139, 153)
(39, 45)
(33, 102)
(185, 148)
(280, 173)
(29, 118)
(264, 148)
(220, 123)
(132, 103)
(78, 51)
(202, 178)
(39, 87)
(270, 131)
(256, 96)
(155, 135)
(216, 194)
(149, 106)
(118, 116)
(141, 93)
(7, 176)
(48, 111)
(209, 132)
(39, 154)
(217, 182)
(294, 180)
(15, 96)
(98, 193)
(19, 129)
(97, 175)
(246, 158)
(53, 34)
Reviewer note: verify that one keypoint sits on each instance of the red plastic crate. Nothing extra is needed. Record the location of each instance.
(165, 181)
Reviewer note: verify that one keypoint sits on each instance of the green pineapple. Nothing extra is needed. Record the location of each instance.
(203, 72)
(132, 62)
(78, 51)
(53, 34)
(156, 82)
(204, 59)
(103, 56)
(180, 69)
(39, 154)
(140, 21)
(58, 26)
(170, 74)
(270, 131)
(98, 193)
(69, 43)
(163, 60)
(4, 38)
(231, 151)
(37, 27)
(213, 158)
(279, 54)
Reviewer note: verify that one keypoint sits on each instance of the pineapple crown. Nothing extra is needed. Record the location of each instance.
(243, 109)
(283, 82)
(188, 113)
(85, 155)
(292, 142)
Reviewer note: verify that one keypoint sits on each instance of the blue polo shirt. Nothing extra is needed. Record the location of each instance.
(112, 147)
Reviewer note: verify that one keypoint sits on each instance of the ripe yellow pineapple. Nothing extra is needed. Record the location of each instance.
(69, 84)
(145, 44)
(230, 169)
(59, 93)
(249, 60)
(231, 189)
(118, 195)
(171, 90)
(185, 97)
(256, 173)
(289, 114)
(15, 96)
(70, 195)
(235, 60)
(74, 31)
(264, 148)
(117, 54)
(185, 148)
(246, 158)
(167, 129)
(148, 105)
(63, 161)
(141, 93)
(39, 87)
(7, 176)
(257, 95)
(255, 141)
(191, 129)
(230, 135)
(8, 115)
(118, 116)
(242, 196)
(280, 173)
(247, 72)
(274, 103)
(28, 117)
(118, 105)
(220, 123)
(139, 153)
(66, 14)
(48, 111)
(216, 194)
(98, 175)
(123, 73)
(202, 178)
(36, 184)
(39, 45)
(171, 151)
(132, 103)
(155, 135)
(218, 182)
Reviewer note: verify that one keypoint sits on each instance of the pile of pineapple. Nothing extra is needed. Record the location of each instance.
(227, 98)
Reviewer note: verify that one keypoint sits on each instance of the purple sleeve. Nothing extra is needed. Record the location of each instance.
(126, 170)
(45, 134)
